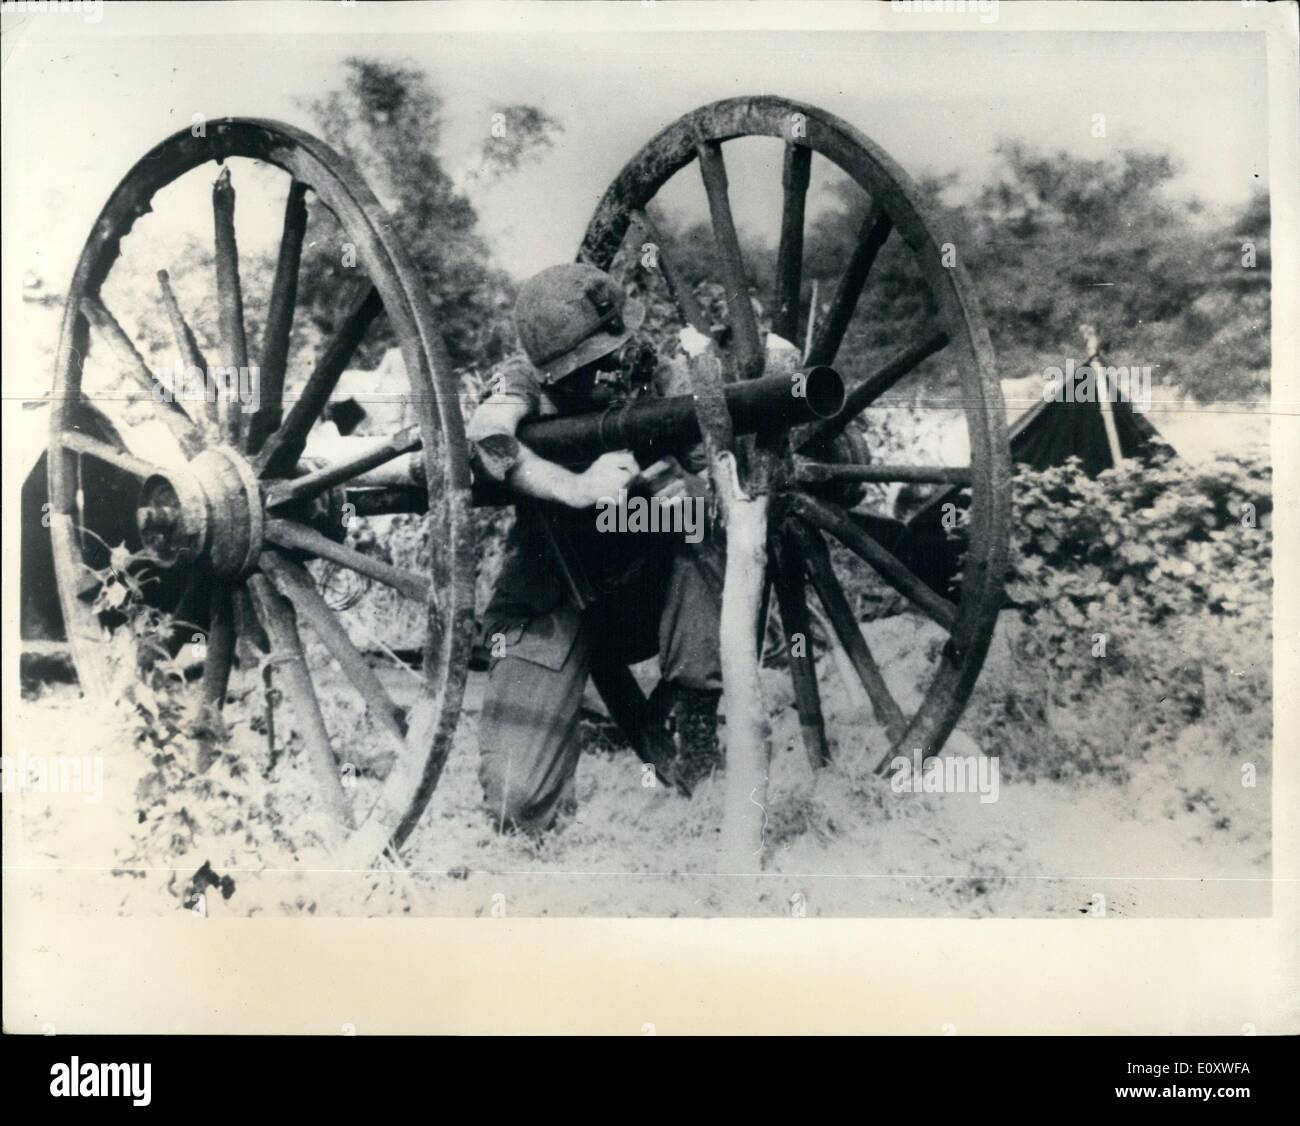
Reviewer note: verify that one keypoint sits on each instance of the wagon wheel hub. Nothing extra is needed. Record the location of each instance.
(208, 514)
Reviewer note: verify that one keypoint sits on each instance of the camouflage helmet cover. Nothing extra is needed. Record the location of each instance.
(568, 316)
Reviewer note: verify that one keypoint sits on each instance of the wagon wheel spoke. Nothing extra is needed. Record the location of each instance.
(247, 624)
(220, 653)
(740, 310)
(281, 451)
(845, 624)
(279, 319)
(872, 387)
(190, 354)
(858, 540)
(299, 537)
(292, 580)
(277, 615)
(132, 365)
(791, 596)
(183, 625)
(809, 472)
(320, 480)
(875, 230)
(885, 377)
(93, 447)
(678, 289)
(789, 254)
(230, 301)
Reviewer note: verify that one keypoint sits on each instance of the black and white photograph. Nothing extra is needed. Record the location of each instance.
(649, 461)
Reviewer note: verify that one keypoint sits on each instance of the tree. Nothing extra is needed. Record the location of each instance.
(518, 134)
(389, 121)
(1225, 330)
(1052, 241)
(1058, 241)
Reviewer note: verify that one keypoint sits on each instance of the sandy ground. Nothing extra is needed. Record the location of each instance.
(842, 842)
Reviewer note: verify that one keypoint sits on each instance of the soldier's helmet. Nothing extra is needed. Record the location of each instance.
(568, 316)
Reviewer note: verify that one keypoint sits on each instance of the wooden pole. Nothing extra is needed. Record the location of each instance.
(744, 812)
(744, 506)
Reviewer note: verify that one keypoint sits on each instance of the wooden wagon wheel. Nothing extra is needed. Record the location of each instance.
(806, 510)
(228, 515)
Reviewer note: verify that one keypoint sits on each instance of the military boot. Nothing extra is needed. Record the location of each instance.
(698, 754)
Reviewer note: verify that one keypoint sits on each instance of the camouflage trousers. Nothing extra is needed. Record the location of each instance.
(528, 726)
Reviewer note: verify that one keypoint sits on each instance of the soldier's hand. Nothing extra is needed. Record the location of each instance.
(604, 477)
(667, 480)
(676, 489)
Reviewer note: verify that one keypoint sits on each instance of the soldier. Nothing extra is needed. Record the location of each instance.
(566, 597)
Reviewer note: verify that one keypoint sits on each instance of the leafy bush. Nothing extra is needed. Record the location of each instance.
(1141, 605)
(197, 792)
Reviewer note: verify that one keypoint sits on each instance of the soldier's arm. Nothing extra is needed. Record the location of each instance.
(501, 456)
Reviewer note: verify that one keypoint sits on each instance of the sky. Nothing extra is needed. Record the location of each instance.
(82, 103)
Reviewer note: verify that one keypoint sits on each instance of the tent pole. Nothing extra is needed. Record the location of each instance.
(1092, 343)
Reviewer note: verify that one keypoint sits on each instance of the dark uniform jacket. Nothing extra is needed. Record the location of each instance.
(552, 570)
